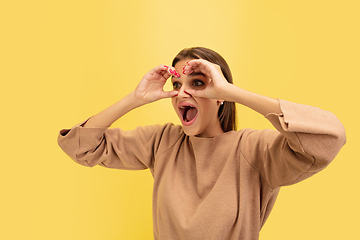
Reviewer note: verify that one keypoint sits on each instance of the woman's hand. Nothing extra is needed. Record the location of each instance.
(219, 88)
(215, 88)
(150, 88)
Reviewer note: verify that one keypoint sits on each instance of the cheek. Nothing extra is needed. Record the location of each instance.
(209, 107)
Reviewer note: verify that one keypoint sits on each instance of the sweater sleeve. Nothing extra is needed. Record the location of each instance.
(115, 148)
(306, 141)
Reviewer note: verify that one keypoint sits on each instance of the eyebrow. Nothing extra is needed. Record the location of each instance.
(191, 75)
(197, 74)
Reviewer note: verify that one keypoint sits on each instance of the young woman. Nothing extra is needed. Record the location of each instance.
(210, 181)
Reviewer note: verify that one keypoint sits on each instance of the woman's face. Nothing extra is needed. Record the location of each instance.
(199, 116)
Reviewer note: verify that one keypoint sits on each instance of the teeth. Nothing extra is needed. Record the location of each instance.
(183, 107)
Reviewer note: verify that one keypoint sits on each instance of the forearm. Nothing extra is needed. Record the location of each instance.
(108, 116)
(261, 104)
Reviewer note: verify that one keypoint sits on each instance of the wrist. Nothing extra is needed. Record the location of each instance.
(134, 101)
(228, 92)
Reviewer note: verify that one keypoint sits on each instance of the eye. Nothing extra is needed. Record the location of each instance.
(176, 85)
(198, 83)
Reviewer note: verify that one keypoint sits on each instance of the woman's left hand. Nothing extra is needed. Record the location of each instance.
(217, 82)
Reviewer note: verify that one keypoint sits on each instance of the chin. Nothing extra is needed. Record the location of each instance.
(190, 131)
(193, 130)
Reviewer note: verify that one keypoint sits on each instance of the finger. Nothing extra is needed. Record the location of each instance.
(204, 64)
(166, 74)
(161, 67)
(194, 67)
(212, 70)
(198, 65)
(197, 62)
(163, 70)
(173, 72)
(188, 69)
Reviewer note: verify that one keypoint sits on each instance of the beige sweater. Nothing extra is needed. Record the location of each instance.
(215, 188)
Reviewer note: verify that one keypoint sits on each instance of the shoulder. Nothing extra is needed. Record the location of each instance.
(166, 134)
(170, 131)
(256, 134)
(253, 140)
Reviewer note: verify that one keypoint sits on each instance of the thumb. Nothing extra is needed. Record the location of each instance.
(169, 94)
(196, 93)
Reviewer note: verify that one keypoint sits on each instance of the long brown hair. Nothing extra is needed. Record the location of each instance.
(227, 111)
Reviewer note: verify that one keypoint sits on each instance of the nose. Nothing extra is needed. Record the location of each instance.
(183, 93)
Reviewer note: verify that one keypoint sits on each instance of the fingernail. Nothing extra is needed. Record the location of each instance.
(178, 75)
(184, 72)
(166, 66)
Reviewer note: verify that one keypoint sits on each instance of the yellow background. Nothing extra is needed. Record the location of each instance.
(63, 61)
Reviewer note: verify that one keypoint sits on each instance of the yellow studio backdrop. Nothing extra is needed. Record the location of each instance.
(63, 61)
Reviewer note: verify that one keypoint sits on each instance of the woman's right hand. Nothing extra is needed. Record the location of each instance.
(150, 88)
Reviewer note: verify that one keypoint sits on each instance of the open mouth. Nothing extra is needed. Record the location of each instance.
(188, 113)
